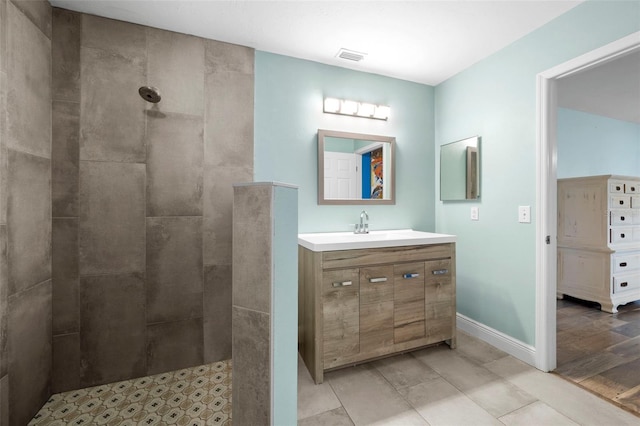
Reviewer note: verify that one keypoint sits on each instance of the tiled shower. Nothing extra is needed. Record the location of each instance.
(115, 218)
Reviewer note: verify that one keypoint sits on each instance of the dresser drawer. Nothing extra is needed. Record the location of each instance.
(616, 187)
(625, 217)
(623, 283)
(627, 262)
(620, 202)
(621, 235)
(632, 188)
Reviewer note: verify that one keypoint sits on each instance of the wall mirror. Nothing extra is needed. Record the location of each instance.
(355, 168)
(460, 170)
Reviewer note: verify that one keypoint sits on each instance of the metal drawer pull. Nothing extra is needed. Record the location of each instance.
(440, 271)
(623, 264)
(342, 284)
(624, 284)
(633, 188)
(622, 218)
(378, 280)
(621, 202)
(621, 235)
(618, 188)
(412, 275)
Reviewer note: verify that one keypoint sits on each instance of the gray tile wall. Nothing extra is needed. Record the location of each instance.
(142, 197)
(4, 288)
(251, 304)
(25, 209)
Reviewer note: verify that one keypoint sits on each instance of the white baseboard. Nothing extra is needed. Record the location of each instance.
(513, 347)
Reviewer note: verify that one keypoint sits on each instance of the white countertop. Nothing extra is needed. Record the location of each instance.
(329, 241)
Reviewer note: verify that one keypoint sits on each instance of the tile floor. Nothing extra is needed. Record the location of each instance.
(475, 384)
(192, 396)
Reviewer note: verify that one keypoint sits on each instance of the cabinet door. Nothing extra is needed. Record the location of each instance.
(376, 308)
(408, 302)
(340, 303)
(439, 298)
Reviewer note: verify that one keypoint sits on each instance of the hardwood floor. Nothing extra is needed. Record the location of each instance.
(601, 351)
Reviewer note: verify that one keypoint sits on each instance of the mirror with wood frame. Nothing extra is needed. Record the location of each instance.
(355, 168)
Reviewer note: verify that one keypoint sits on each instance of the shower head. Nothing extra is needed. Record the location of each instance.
(150, 94)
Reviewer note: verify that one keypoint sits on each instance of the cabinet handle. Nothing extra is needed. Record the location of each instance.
(623, 264)
(378, 280)
(624, 284)
(343, 284)
(621, 202)
(622, 235)
(633, 189)
(618, 188)
(621, 218)
(411, 275)
(440, 271)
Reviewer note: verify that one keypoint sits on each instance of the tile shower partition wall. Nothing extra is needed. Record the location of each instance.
(265, 311)
(142, 197)
(25, 208)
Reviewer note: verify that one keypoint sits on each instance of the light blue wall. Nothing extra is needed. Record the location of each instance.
(284, 312)
(288, 113)
(595, 145)
(496, 99)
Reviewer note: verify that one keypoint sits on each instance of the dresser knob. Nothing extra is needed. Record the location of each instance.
(621, 218)
(623, 264)
(621, 235)
(621, 202)
(618, 188)
(633, 189)
(624, 284)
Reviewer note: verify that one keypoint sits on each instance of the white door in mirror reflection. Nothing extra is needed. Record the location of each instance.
(341, 175)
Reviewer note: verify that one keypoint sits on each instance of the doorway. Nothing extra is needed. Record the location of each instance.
(546, 229)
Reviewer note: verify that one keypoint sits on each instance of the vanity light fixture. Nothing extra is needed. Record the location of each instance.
(356, 109)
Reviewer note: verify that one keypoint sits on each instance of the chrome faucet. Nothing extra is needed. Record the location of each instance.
(363, 227)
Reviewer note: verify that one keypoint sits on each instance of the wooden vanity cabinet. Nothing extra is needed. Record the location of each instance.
(359, 305)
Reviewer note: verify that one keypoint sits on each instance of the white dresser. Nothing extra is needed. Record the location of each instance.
(599, 239)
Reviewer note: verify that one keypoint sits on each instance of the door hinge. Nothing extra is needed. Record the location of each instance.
(548, 239)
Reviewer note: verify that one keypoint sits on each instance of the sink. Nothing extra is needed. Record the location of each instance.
(328, 241)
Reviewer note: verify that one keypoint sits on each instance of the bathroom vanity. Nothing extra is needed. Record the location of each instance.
(366, 296)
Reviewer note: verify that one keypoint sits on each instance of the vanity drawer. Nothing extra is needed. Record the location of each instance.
(437, 270)
(627, 262)
(622, 283)
(620, 202)
(438, 286)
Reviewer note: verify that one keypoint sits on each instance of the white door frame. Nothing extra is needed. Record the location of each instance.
(546, 181)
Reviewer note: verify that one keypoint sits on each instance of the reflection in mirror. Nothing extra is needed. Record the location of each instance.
(355, 168)
(460, 170)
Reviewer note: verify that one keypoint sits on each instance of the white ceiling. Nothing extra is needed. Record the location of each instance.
(422, 41)
(610, 90)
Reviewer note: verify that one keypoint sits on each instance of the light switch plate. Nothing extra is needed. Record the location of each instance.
(524, 214)
(475, 213)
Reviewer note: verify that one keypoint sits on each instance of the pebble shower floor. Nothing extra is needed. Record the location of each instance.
(188, 397)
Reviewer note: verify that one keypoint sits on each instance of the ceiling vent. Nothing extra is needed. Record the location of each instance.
(350, 55)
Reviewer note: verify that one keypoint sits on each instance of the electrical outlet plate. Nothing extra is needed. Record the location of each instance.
(524, 214)
(475, 213)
